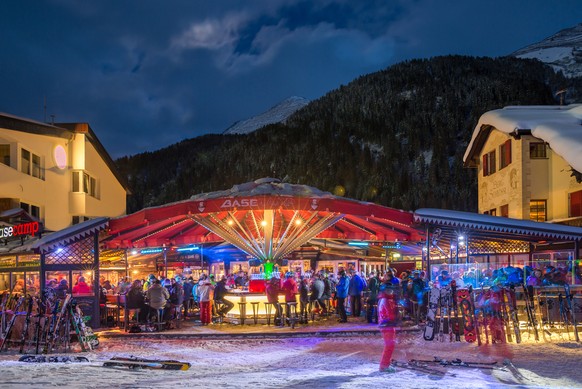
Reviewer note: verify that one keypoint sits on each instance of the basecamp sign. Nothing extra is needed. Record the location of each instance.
(20, 230)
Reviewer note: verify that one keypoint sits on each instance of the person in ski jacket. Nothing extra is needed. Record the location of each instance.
(341, 289)
(388, 319)
(62, 289)
(82, 287)
(219, 297)
(317, 288)
(373, 286)
(290, 289)
(418, 287)
(188, 300)
(149, 282)
(272, 290)
(205, 292)
(356, 287)
(135, 299)
(157, 295)
(303, 298)
(535, 279)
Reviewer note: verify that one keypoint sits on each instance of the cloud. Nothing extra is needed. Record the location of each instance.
(210, 34)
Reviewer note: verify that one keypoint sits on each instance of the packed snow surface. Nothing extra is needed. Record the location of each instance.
(309, 362)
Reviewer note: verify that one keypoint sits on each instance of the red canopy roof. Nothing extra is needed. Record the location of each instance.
(261, 213)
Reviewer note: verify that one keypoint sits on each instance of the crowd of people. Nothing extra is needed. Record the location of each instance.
(322, 293)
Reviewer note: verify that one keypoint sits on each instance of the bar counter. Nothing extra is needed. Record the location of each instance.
(242, 296)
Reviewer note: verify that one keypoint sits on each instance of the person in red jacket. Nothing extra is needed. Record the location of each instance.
(388, 319)
(272, 291)
(82, 287)
(290, 290)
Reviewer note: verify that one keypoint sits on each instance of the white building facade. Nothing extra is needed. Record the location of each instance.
(60, 174)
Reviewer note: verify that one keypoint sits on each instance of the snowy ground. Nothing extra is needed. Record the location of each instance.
(306, 362)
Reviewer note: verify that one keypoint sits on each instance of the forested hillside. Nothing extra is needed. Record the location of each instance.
(394, 137)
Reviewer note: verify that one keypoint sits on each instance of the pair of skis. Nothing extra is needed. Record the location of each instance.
(142, 363)
(87, 339)
(7, 331)
(457, 362)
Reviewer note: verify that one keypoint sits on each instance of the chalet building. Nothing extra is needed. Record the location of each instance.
(60, 174)
(529, 161)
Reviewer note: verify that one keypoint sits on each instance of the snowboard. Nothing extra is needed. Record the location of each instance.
(466, 307)
(142, 363)
(433, 301)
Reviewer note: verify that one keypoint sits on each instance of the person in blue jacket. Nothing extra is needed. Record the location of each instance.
(341, 294)
(356, 287)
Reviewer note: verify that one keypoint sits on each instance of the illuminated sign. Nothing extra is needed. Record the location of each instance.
(240, 203)
(397, 245)
(60, 156)
(20, 229)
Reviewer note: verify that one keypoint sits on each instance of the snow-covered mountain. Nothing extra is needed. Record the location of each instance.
(278, 114)
(563, 51)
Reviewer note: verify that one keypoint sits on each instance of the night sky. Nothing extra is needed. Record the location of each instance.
(146, 74)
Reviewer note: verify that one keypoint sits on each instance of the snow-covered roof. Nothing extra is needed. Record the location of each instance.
(559, 126)
(265, 186)
(476, 221)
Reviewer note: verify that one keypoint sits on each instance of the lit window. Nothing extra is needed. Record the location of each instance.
(537, 150)
(84, 183)
(538, 210)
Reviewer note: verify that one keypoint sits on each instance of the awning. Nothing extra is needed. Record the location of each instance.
(265, 218)
(496, 227)
(69, 235)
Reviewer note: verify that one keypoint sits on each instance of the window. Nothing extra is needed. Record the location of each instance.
(504, 210)
(5, 154)
(537, 210)
(493, 212)
(79, 219)
(489, 166)
(576, 204)
(537, 150)
(25, 161)
(505, 154)
(32, 210)
(84, 183)
(31, 164)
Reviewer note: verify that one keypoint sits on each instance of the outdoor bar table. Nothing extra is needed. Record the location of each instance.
(237, 296)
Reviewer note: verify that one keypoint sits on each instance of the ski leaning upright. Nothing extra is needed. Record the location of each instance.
(24, 336)
(571, 308)
(433, 301)
(10, 324)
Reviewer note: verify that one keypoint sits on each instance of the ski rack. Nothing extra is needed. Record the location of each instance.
(47, 324)
(507, 314)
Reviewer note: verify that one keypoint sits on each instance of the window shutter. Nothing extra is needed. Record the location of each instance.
(485, 165)
(507, 152)
(576, 204)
